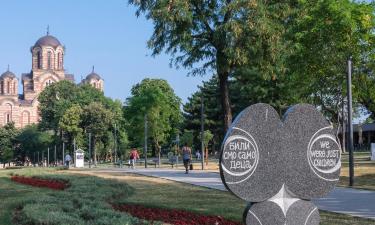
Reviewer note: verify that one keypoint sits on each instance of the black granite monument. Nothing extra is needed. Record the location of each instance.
(279, 165)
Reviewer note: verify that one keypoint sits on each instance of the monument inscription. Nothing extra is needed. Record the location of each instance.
(279, 164)
(240, 155)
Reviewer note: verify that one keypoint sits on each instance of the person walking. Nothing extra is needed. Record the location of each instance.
(133, 157)
(68, 158)
(186, 156)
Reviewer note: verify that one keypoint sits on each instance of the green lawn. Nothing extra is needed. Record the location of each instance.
(86, 201)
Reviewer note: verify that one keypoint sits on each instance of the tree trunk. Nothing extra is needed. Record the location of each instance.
(94, 149)
(225, 101)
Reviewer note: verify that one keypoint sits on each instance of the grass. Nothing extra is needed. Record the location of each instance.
(364, 171)
(162, 193)
(86, 201)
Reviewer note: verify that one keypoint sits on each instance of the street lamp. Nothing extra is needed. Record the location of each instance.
(89, 150)
(202, 131)
(350, 130)
(145, 148)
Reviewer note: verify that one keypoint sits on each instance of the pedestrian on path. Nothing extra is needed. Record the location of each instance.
(186, 156)
(68, 158)
(133, 157)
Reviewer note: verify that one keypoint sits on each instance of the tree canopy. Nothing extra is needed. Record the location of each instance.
(156, 101)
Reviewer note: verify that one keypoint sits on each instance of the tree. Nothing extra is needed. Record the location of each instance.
(96, 120)
(222, 34)
(70, 124)
(187, 137)
(156, 100)
(31, 140)
(324, 35)
(54, 101)
(7, 142)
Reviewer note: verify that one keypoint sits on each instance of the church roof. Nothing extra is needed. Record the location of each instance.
(69, 77)
(93, 75)
(8, 74)
(48, 40)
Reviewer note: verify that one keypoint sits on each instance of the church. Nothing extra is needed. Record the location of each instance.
(47, 55)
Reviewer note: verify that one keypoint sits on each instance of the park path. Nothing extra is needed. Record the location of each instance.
(350, 201)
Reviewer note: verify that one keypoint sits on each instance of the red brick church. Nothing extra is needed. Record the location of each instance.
(47, 68)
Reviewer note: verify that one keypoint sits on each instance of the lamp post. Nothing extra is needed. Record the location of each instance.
(350, 124)
(48, 157)
(145, 148)
(115, 144)
(202, 132)
(89, 150)
(55, 163)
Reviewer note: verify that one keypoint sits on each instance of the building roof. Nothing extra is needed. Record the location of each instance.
(26, 76)
(48, 40)
(92, 76)
(24, 102)
(8, 74)
(69, 77)
(365, 127)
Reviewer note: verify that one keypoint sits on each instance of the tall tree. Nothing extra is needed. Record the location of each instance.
(8, 134)
(97, 120)
(54, 101)
(70, 124)
(325, 33)
(221, 35)
(31, 140)
(156, 100)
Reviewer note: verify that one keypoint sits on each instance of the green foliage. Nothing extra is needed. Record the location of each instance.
(54, 101)
(187, 137)
(220, 35)
(324, 35)
(73, 111)
(8, 134)
(32, 140)
(157, 100)
(85, 202)
(70, 124)
(208, 136)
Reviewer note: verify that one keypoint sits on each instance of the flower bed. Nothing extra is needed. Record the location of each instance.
(173, 216)
(39, 182)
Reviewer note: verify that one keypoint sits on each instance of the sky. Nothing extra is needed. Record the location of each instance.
(106, 34)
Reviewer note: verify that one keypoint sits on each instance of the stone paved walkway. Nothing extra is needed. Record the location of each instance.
(350, 201)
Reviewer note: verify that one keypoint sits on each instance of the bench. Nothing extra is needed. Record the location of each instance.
(154, 162)
(173, 160)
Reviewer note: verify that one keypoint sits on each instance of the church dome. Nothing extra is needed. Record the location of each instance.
(92, 76)
(8, 74)
(48, 40)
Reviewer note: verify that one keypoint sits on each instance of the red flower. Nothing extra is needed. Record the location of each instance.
(39, 182)
(172, 216)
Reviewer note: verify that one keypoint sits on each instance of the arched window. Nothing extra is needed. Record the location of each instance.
(8, 113)
(8, 119)
(8, 87)
(59, 61)
(49, 82)
(39, 60)
(25, 118)
(49, 62)
(2, 87)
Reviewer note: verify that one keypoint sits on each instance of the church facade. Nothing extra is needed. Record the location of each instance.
(47, 68)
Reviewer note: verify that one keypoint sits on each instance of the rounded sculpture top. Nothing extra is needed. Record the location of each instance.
(8, 74)
(48, 40)
(92, 76)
